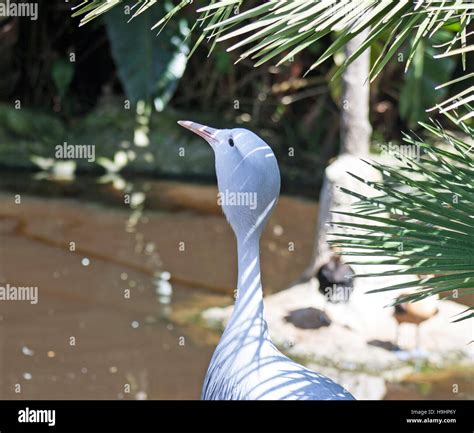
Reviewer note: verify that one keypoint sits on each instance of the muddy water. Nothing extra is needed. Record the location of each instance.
(122, 273)
(119, 285)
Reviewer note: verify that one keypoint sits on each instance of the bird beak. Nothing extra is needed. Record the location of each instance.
(209, 134)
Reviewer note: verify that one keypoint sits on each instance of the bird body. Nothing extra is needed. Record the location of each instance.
(415, 313)
(242, 375)
(335, 280)
(246, 365)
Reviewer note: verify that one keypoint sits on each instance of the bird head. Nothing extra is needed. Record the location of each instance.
(248, 177)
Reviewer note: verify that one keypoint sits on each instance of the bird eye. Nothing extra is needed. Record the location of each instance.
(231, 142)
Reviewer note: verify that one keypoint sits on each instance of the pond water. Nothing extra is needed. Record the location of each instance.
(123, 269)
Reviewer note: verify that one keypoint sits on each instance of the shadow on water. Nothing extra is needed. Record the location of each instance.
(123, 268)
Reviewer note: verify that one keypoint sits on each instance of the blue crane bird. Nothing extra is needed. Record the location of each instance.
(246, 365)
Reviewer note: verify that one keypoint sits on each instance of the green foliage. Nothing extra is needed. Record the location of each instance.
(223, 61)
(149, 66)
(30, 124)
(419, 92)
(283, 29)
(62, 72)
(422, 220)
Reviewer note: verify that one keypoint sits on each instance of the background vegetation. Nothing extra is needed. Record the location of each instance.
(113, 57)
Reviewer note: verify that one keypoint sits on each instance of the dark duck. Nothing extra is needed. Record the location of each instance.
(336, 280)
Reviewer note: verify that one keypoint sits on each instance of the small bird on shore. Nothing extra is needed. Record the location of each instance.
(335, 280)
(415, 313)
(246, 365)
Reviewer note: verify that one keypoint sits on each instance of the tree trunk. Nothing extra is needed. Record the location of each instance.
(355, 141)
(355, 124)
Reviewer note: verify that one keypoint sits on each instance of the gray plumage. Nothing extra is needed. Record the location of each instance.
(246, 365)
(257, 370)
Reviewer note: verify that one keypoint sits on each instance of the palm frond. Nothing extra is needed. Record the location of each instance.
(422, 220)
(282, 28)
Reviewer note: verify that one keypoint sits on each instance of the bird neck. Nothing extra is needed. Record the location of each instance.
(248, 311)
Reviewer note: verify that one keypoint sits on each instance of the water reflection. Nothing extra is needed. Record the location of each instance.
(135, 198)
(163, 288)
(54, 170)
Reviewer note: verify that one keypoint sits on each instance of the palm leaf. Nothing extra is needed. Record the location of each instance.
(278, 28)
(421, 221)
